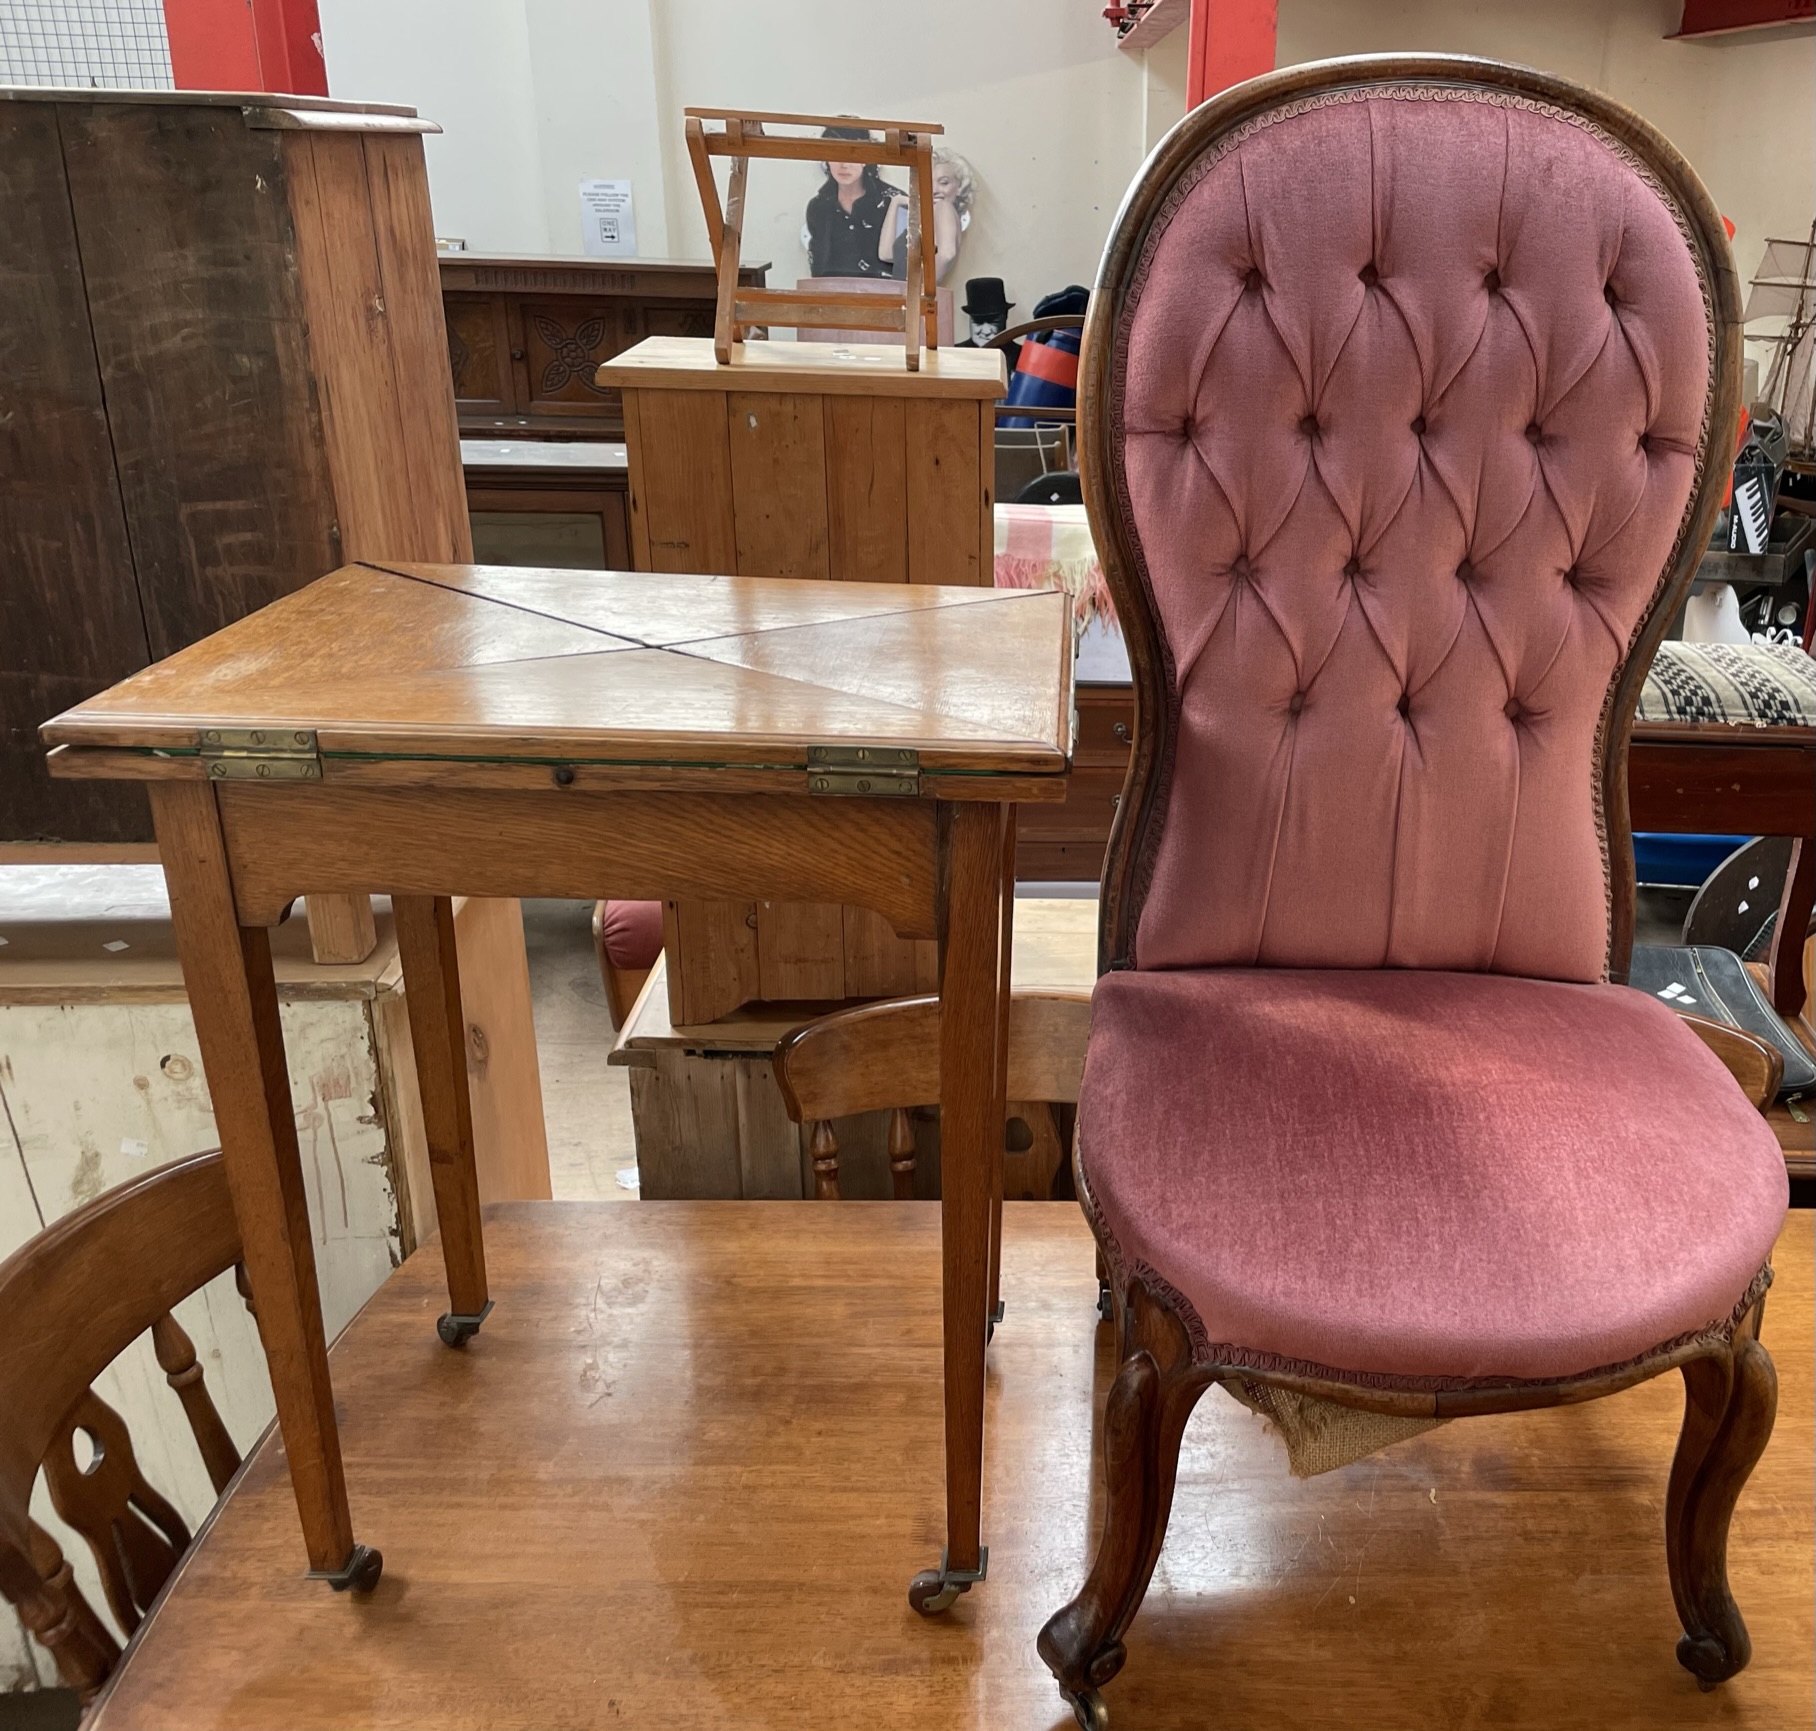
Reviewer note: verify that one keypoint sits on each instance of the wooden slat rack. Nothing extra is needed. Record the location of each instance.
(742, 134)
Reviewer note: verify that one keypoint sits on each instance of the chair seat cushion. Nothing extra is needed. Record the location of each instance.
(1404, 1175)
(632, 933)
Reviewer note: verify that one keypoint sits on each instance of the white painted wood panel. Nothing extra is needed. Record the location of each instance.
(96, 1093)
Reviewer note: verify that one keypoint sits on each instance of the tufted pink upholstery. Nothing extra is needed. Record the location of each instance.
(1408, 394)
(1424, 1174)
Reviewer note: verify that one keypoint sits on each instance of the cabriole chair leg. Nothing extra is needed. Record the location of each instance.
(1144, 1422)
(1730, 1401)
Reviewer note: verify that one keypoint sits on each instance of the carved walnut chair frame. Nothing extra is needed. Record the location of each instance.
(1730, 1384)
(75, 1297)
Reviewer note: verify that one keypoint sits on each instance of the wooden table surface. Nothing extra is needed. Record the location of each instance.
(474, 665)
(680, 1478)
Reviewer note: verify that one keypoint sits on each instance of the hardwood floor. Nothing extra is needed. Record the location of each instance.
(684, 1475)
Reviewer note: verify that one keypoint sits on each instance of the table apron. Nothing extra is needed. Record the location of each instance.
(308, 839)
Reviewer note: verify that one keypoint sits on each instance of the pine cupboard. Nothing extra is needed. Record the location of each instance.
(814, 460)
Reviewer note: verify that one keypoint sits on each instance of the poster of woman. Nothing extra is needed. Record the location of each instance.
(846, 226)
(953, 186)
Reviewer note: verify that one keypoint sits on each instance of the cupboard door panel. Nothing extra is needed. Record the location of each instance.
(867, 489)
(945, 494)
(681, 485)
(778, 483)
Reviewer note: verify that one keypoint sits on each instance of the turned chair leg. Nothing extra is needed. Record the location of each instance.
(901, 1153)
(1144, 1421)
(823, 1145)
(1729, 1404)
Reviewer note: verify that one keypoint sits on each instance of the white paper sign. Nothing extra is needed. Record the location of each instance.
(608, 223)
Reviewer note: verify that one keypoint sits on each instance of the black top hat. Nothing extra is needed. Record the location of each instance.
(984, 299)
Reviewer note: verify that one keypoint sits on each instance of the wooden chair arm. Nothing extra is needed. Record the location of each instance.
(1757, 1067)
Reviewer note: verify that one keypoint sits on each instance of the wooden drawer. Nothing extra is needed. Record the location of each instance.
(1086, 815)
(1106, 723)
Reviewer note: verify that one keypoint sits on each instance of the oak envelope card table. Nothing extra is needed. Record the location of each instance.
(432, 730)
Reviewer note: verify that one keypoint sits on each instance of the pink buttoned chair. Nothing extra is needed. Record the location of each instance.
(1409, 389)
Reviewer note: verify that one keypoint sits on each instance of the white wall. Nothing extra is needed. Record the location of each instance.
(1741, 108)
(536, 95)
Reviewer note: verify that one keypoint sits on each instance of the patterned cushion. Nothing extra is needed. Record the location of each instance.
(1750, 684)
(1409, 389)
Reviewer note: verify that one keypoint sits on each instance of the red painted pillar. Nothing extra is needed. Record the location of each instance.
(1229, 40)
(246, 45)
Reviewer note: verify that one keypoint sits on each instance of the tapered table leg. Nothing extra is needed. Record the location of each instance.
(1004, 991)
(233, 997)
(438, 1034)
(972, 1089)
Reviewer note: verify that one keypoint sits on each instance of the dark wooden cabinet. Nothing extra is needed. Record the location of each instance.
(1065, 843)
(223, 377)
(546, 502)
(525, 335)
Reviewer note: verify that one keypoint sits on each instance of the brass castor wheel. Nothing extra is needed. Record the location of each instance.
(1089, 1710)
(359, 1574)
(931, 1593)
(458, 1330)
(1106, 1305)
(935, 1590)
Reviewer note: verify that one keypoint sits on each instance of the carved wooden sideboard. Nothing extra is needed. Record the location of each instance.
(525, 335)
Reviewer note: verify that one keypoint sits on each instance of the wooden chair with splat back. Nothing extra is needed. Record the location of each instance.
(74, 1298)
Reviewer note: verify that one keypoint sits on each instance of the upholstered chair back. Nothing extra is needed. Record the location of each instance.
(1409, 393)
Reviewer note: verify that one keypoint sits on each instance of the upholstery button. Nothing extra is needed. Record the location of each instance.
(1466, 572)
(1608, 294)
(1298, 702)
(1353, 568)
(1241, 569)
(1571, 577)
(1534, 431)
(1187, 427)
(1418, 427)
(1645, 441)
(1405, 704)
(1512, 711)
(1492, 282)
(1309, 426)
(1252, 281)
(1370, 276)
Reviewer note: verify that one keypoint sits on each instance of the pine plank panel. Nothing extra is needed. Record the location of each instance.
(878, 964)
(720, 1390)
(778, 484)
(769, 1141)
(800, 951)
(867, 489)
(714, 944)
(403, 231)
(343, 293)
(681, 508)
(70, 624)
(945, 496)
(687, 1144)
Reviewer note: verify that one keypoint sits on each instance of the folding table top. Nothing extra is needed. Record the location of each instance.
(450, 665)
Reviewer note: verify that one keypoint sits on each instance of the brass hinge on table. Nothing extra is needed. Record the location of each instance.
(870, 771)
(260, 754)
